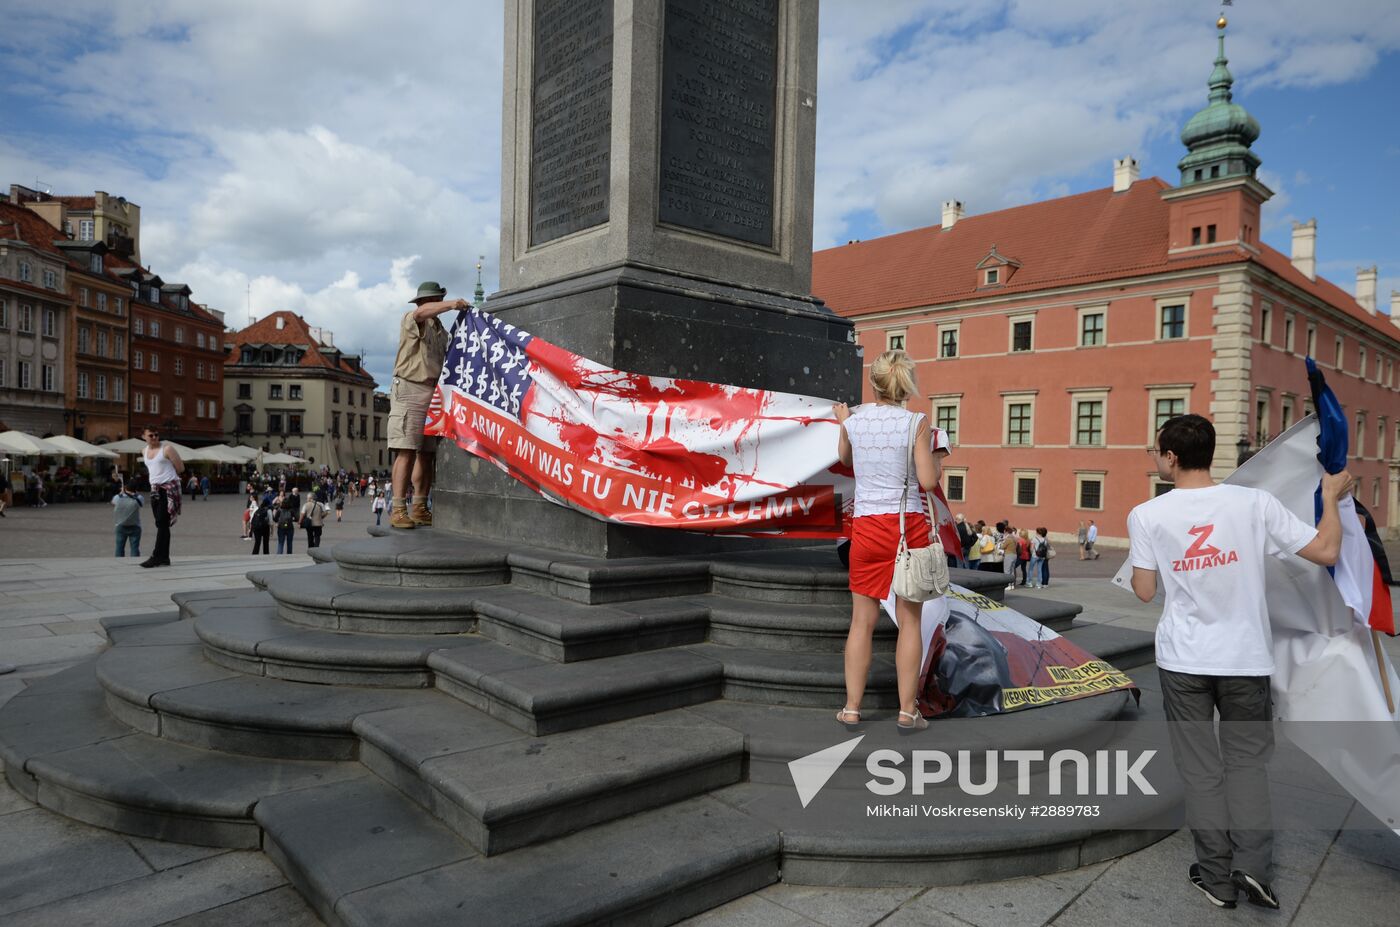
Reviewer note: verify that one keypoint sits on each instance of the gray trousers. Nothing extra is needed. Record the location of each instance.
(1226, 781)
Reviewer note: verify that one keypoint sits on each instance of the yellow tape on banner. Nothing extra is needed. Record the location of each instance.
(1030, 696)
(976, 600)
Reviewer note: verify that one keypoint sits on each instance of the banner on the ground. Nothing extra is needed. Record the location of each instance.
(641, 450)
(982, 657)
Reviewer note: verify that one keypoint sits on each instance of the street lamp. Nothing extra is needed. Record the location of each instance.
(1242, 451)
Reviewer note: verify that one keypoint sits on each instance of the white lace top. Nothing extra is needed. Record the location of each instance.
(879, 436)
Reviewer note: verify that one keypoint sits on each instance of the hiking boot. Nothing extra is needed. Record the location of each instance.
(399, 519)
(420, 515)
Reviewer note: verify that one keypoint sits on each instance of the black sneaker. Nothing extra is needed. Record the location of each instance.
(1257, 892)
(1194, 873)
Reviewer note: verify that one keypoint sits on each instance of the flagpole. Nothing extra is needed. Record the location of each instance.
(1380, 666)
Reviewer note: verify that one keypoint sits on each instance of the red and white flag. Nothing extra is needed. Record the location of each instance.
(641, 450)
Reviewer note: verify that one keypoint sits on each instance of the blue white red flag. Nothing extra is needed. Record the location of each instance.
(642, 450)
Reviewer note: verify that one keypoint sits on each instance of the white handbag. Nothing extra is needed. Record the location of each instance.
(922, 574)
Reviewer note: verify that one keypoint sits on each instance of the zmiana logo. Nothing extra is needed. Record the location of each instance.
(1201, 554)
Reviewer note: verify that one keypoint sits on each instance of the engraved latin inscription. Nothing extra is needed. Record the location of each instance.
(719, 93)
(571, 124)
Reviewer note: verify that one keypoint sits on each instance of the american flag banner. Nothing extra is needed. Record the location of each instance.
(643, 450)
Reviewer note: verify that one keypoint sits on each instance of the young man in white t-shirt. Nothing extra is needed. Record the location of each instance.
(1208, 542)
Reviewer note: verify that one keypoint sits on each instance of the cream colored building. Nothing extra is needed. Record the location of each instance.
(289, 389)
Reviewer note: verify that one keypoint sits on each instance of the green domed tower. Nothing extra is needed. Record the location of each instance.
(1218, 137)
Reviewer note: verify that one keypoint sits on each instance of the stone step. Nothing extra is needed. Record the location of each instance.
(320, 599)
(1125, 648)
(168, 690)
(64, 751)
(836, 842)
(321, 554)
(1057, 616)
(365, 857)
(431, 559)
(567, 631)
(259, 577)
(781, 626)
(776, 677)
(254, 639)
(779, 734)
(798, 576)
(500, 789)
(543, 697)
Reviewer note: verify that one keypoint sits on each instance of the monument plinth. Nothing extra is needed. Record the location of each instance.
(656, 216)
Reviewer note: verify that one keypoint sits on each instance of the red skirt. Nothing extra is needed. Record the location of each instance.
(874, 543)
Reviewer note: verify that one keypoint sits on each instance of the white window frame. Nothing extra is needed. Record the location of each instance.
(82, 384)
(83, 296)
(1008, 400)
(1289, 331)
(1266, 323)
(213, 408)
(1339, 354)
(1076, 396)
(50, 322)
(1080, 477)
(948, 401)
(155, 403)
(1361, 362)
(1163, 303)
(1310, 346)
(26, 374)
(991, 276)
(101, 302)
(26, 272)
(50, 278)
(26, 319)
(899, 334)
(155, 362)
(956, 329)
(1180, 391)
(138, 359)
(1287, 408)
(85, 230)
(118, 389)
(1359, 444)
(179, 366)
(138, 402)
(1100, 309)
(1263, 395)
(101, 390)
(179, 334)
(179, 406)
(960, 472)
(48, 378)
(102, 342)
(199, 408)
(155, 328)
(1016, 477)
(1011, 323)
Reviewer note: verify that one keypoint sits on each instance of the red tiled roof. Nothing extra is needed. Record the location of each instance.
(294, 330)
(78, 202)
(27, 226)
(1085, 238)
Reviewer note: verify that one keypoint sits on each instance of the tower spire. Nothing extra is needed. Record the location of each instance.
(1218, 137)
(479, 294)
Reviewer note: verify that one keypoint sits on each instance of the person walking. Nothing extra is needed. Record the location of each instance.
(163, 469)
(1091, 538)
(1207, 545)
(339, 501)
(378, 506)
(126, 507)
(248, 511)
(1082, 536)
(874, 442)
(422, 349)
(313, 517)
(261, 523)
(204, 486)
(193, 486)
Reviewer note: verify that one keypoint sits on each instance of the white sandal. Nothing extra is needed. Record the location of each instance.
(917, 722)
(844, 714)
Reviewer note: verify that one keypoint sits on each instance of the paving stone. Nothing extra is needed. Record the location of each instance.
(1363, 836)
(281, 907)
(160, 854)
(1348, 891)
(1013, 903)
(858, 907)
(10, 800)
(26, 631)
(44, 857)
(341, 838)
(657, 867)
(35, 725)
(39, 651)
(750, 911)
(160, 896)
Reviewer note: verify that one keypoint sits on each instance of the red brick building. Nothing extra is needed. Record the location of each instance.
(1053, 338)
(177, 354)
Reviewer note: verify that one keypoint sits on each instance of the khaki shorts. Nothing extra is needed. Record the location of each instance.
(408, 411)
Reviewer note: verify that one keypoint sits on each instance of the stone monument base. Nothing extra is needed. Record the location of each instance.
(658, 323)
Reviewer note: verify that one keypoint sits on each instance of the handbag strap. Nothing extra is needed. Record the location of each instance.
(904, 497)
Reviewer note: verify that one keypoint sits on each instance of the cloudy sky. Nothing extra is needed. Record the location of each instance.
(325, 155)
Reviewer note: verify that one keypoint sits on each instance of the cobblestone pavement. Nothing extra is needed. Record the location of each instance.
(57, 578)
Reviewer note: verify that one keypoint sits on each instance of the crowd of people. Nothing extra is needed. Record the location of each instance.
(279, 505)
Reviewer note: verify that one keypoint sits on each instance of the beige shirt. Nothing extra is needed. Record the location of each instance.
(422, 349)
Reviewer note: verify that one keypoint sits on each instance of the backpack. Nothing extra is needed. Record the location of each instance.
(260, 520)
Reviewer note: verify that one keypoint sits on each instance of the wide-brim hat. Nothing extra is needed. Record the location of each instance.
(429, 289)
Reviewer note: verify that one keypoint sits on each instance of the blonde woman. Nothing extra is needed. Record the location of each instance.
(875, 443)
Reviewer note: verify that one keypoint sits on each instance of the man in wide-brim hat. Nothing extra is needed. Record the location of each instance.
(422, 349)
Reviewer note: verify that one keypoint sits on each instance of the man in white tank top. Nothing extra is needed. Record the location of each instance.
(163, 466)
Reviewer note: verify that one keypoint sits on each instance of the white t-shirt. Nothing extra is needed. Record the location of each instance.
(879, 436)
(1208, 547)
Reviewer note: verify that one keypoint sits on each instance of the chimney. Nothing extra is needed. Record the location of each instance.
(1305, 248)
(1395, 308)
(1366, 288)
(952, 212)
(281, 323)
(1125, 173)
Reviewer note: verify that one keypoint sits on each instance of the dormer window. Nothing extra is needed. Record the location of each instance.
(993, 276)
(996, 268)
(95, 263)
(154, 294)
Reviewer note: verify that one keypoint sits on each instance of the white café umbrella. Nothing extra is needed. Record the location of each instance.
(129, 446)
(246, 453)
(283, 459)
(214, 453)
(26, 445)
(76, 447)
